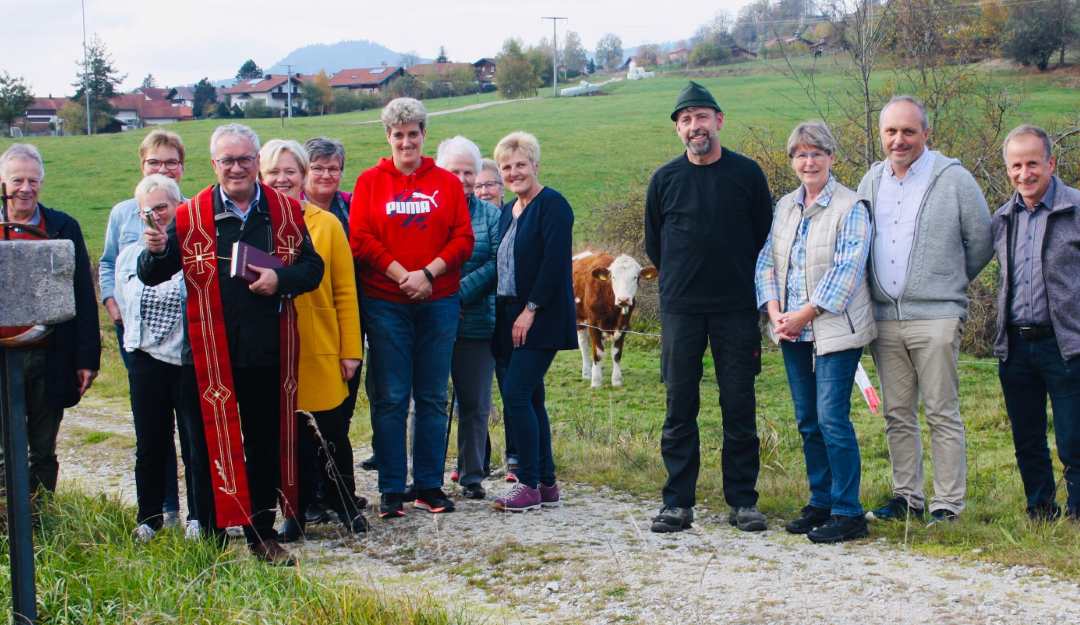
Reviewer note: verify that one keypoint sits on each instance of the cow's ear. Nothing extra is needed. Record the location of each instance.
(649, 273)
(601, 273)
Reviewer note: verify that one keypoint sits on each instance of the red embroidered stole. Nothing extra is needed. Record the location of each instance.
(197, 235)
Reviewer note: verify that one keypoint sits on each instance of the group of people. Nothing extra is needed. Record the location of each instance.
(885, 266)
(243, 314)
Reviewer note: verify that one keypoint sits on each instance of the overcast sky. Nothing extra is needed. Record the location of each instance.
(181, 42)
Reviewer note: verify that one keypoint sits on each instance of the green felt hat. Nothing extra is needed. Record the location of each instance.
(694, 95)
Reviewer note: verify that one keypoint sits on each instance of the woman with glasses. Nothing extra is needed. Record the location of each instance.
(811, 279)
(153, 338)
(161, 152)
(328, 321)
(489, 184)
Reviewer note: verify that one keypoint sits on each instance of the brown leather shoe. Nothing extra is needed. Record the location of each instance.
(272, 552)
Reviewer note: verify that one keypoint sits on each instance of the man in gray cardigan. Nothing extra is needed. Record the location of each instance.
(931, 239)
(1037, 240)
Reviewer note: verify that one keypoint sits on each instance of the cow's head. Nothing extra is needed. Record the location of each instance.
(624, 274)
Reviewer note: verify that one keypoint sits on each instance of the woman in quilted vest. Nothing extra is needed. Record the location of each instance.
(811, 279)
(472, 366)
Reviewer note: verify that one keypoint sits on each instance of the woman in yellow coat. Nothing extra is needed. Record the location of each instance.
(328, 319)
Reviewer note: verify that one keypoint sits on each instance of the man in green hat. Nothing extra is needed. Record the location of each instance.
(707, 215)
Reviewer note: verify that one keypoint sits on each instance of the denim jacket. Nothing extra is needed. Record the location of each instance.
(125, 226)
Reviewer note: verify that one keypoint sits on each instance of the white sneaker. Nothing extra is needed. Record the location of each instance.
(144, 533)
(235, 532)
(193, 530)
(172, 520)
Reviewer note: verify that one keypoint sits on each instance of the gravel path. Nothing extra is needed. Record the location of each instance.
(594, 561)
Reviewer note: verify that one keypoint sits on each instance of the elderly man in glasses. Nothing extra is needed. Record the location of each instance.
(241, 347)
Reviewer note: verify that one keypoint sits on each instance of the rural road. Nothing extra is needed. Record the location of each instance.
(594, 561)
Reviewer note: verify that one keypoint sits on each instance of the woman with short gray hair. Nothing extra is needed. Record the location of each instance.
(489, 183)
(811, 279)
(322, 186)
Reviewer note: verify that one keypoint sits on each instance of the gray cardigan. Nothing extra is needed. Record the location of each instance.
(953, 243)
(1061, 258)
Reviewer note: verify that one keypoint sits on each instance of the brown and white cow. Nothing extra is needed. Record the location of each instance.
(604, 292)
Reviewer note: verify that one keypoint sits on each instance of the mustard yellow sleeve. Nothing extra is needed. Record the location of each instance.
(343, 283)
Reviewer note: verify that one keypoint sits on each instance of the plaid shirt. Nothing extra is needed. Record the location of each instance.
(838, 284)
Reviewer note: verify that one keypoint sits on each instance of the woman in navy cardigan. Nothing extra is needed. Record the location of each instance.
(534, 315)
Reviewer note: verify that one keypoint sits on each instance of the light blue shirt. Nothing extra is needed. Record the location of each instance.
(234, 209)
(896, 211)
(125, 227)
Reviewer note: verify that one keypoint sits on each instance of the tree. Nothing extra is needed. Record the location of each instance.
(592, 66)
(408, 59)
(574, 58)
(405, 86)
(540, 60)
(222, 111)
(102, 78)
(513, 74)
(149, 82)
(609, 52)
(256, 109)
(248, 71)
(317, 94)
(461, 79)
(204, 98)
(713, 40)
(648, 53)
(15, 98)
(1039, 30)
(442, 55)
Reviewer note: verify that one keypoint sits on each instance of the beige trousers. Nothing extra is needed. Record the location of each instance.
(913, 358)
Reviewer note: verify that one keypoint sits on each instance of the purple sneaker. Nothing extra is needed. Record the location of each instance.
(549, 495)
(519, 499)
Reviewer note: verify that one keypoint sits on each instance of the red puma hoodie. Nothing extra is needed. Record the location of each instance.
(412, 219)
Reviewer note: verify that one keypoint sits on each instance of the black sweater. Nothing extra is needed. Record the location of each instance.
(704, 227)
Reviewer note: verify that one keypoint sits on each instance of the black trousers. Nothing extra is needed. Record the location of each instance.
(326, 461)
(258, 395)
(156, 405)
(736, 349)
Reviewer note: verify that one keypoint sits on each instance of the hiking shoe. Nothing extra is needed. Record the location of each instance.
(839, 528)
(171, 519)
(812, 518)
(370, 464)
(316, 514)
(519, 499)
(549, 495)
(390, 506)
(193, 531)
(454, 477)
(673, 519)
(896, 510)
(292, 530)
(409, 494)
(358, 524)
(272, 552)
(1048, 512)
(941, 515)
(433, 500)
(234, 532)
(144, 533)
(748, 519)
(511, 471)
(475, 491)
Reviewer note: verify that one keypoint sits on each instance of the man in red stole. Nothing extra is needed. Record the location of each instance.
(241, 346)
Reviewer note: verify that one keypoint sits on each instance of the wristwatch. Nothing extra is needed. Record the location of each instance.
(818, 310)
(531, 306)
(427, 273)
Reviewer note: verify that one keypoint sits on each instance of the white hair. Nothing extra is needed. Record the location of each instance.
(156, 182)
(235, 130)
(459, 146)
(20, 150)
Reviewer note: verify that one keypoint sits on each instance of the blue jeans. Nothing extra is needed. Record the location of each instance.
(821, 392)
(508, 428)
(523, 407)
(409, 351)
(1034, 370)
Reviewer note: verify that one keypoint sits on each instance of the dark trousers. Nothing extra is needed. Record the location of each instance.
(325, 489)
(326, 462)
(508, 428)
(1034, 370)
(155, 407)
(42, 424)
(258, 396)
(523, 406)
(736, 349)
(471, 371)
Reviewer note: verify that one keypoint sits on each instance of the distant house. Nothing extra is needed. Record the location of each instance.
(272, 90)
(739, 52)
(630, 63)
(42, 116)
(153, 93)
(135, 110)
(185, 96)
(679, 56)
(485, 70)
(365, 80)
(787, 41)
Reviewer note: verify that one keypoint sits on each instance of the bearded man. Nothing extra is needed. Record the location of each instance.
(707, 215)
(241, 344)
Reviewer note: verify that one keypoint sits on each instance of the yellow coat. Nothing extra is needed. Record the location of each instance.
(328, 318)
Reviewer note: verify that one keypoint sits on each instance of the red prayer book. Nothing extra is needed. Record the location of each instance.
(244, 255)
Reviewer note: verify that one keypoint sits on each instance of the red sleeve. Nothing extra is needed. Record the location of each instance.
(366, 247)
(459, 247)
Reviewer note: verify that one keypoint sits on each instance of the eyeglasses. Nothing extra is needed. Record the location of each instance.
(172, 164)
(158, 208)
(802, 157)
(245, 162)
(335, 172)
(483, 186)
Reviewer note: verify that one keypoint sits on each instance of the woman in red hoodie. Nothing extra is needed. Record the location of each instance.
(410, 233)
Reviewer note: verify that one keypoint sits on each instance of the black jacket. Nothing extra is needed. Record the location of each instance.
(252, 322)
(542, 275)
(74, 344)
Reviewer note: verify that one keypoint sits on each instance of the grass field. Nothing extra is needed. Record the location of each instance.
(592, 147)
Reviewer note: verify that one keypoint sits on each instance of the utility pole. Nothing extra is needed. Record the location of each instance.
(554, 54)
(288, 88)
(86, 71)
